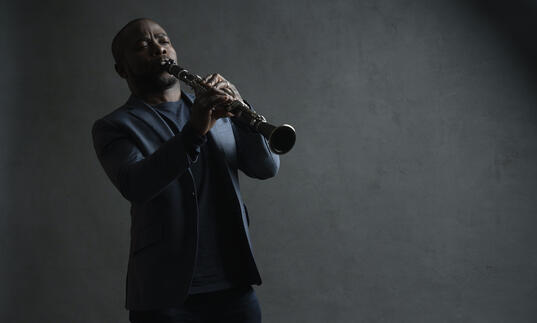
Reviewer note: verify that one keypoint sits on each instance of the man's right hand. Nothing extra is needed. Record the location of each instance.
(208, 107)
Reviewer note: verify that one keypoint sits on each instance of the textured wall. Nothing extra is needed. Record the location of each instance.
(409, 197)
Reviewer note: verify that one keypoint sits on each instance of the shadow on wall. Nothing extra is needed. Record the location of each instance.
(517, 21)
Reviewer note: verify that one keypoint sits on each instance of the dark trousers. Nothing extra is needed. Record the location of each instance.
(237, 305)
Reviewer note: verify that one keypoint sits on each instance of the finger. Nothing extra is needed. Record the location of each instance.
(220, 93)
(224, 91)
(211, 94)
(208, 102)
(215, 91)
(205, 82)
(228, 91)
(225, 88)
(211, 91)
(220, 110)
(206, 78)
(221, 84)
(219, 100)
(211, 81)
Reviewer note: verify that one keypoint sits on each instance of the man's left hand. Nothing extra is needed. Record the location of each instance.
(220, 83)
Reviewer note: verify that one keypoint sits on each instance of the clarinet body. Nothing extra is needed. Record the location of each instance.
(280, 138)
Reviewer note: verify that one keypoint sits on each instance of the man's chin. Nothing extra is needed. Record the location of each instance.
(156, 83)
(166, 80)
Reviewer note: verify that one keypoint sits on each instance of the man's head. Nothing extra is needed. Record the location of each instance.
(138, 49)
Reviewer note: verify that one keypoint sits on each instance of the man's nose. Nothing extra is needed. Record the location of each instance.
(159, 50)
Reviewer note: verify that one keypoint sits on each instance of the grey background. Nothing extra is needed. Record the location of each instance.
(409, 197)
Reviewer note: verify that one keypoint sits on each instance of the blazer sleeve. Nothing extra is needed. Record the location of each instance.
(138, 178)
(254, 156)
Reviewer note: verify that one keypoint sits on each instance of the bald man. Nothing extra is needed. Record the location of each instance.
(175, 158)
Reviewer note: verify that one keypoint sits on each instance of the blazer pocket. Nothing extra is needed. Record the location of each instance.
(147, 237)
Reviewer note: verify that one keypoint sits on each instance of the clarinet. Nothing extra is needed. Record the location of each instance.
(281, 139)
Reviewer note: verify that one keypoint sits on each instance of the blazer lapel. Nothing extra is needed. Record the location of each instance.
(147, 114)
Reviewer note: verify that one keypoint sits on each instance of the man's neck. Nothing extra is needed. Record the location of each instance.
(172, 94)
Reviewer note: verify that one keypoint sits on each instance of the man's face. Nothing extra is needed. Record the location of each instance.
(145, 44)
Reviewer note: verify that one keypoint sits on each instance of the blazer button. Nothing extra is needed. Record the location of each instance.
(193, 193)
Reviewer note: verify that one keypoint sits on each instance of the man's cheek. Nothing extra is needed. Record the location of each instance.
(173, 55)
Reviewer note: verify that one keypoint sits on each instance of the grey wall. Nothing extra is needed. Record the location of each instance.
(409, 197)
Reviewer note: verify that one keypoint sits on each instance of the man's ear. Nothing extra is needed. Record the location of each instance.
(120, 70)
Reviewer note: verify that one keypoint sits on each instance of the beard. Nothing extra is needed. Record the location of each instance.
(153, 82)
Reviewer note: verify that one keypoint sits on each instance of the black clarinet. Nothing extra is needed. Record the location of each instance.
(281, 139)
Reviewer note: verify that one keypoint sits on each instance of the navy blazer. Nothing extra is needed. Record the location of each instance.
(149, 166)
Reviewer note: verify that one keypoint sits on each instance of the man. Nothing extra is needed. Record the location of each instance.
(175, 158)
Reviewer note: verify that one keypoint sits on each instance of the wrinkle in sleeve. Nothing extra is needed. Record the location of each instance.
(138, 178)
(255, 158)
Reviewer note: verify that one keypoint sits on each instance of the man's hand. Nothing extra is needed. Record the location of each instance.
(213, 104)
(219, 82)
